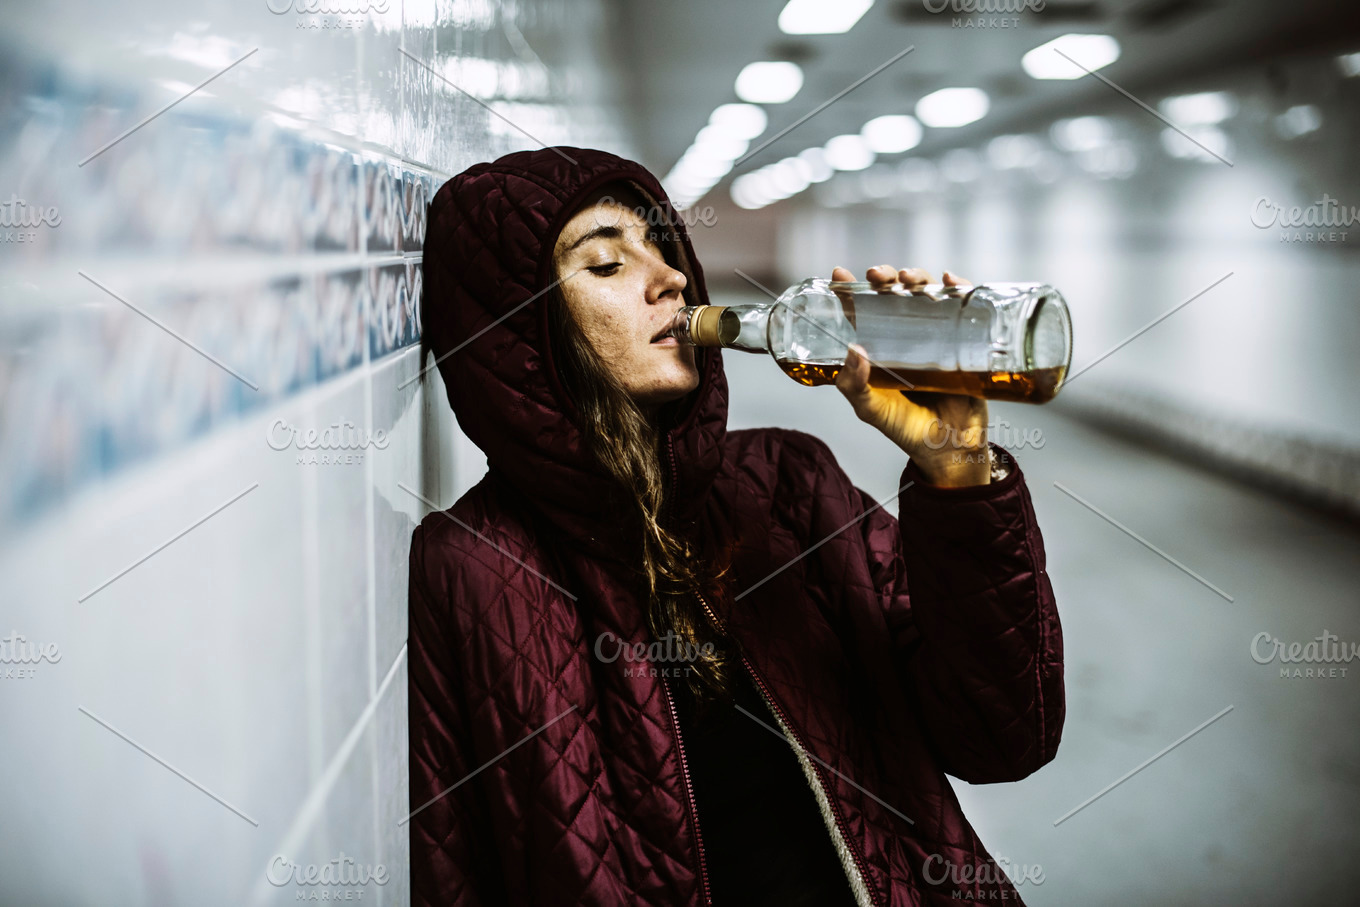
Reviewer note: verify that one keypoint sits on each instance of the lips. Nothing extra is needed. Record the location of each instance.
(665, 330)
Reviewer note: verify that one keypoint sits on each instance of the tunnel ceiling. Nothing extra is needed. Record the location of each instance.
(683, 59)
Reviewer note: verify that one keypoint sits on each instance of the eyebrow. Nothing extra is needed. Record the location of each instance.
(600, 232)
(604, 231)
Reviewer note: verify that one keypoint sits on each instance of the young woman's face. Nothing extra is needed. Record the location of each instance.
(622, 294)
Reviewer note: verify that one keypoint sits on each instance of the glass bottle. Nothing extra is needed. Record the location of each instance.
(1001, 341)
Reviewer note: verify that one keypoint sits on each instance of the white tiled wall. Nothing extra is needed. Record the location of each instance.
(231, 622)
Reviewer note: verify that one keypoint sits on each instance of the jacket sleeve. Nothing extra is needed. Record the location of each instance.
(974, 628)
(453, 853)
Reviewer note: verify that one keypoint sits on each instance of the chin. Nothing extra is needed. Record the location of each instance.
(670, 390)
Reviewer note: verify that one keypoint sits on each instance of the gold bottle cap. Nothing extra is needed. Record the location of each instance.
(703, 325)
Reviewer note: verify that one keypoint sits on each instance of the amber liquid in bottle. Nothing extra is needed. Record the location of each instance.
(1037, 386)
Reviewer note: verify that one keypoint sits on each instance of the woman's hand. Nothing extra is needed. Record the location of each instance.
(944, 434)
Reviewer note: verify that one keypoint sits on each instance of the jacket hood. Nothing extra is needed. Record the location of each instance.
(487, 267)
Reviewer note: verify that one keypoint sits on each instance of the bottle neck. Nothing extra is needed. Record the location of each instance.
(734, 327)
(748, 327)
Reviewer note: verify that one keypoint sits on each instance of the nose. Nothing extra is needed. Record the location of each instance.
(666, 285)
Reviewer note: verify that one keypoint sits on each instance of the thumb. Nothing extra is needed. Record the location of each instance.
(853, 378)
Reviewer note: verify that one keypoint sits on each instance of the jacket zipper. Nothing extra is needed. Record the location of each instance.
(689, 796)
(675, 471)
(675, 723)
(816, 766)
(765, 691)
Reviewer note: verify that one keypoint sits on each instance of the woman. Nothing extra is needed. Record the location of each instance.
(653, 661)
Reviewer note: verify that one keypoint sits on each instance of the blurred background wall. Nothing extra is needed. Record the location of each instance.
(1174, 178)
(193, 280)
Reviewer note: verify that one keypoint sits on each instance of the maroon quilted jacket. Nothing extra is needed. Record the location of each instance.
(891, 652)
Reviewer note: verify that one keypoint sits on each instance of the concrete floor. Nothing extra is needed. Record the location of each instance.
(1260, 807)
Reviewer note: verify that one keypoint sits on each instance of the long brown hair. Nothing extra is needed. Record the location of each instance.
(628, 444)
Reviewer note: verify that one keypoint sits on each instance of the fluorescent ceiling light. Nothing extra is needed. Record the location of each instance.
(1203, 109)
(769, 82)
(816, 159)
(685, 195)
(745, 121)
(821, 17)
(951, 107)
(800, 166)
(1205, 137)
(1349, 64)
(788, 176)
(685, 177)
(748, 193)
(1013, 152)
(1082, 133)
(1298, 120)
(891, 134)
(701, 165)
(760, 184)
(716, 143)
(1117, 159)
(765, 180)
(848, 152)
(682, 192)
(1070, 56)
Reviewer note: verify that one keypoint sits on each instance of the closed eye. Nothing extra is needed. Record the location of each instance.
(604, 270)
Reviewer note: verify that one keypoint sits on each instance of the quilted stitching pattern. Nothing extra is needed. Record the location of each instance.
(897, 651)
